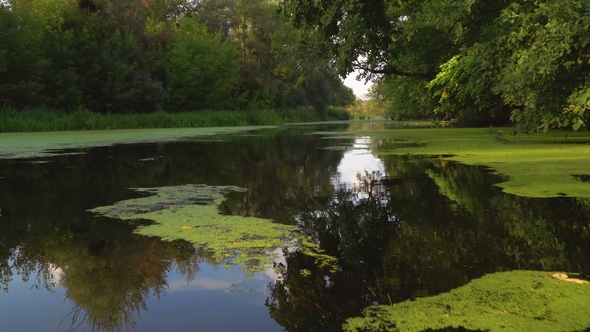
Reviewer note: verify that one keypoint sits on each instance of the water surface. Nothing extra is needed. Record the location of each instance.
(401, 227)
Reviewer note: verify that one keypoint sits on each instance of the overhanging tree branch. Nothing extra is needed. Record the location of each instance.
(394, 71)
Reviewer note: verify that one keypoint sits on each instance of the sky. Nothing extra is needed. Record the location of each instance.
(358, 87)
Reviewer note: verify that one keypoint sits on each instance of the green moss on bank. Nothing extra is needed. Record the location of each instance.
(506, 301)
(190, 213)
(539, 165)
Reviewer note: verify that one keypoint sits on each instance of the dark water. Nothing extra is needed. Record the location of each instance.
(400, 226)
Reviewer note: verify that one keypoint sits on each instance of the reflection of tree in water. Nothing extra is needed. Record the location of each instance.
(112, 283)
(370, 183)
(108, 271)
(319, 300)
(428, 227)
(539, 234)
(110, 291)
(434, 227)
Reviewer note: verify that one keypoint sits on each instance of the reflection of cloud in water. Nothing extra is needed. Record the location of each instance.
(269, 275)
(212, 279)
(55, 275)
(359, 159)
(270, 271)
(200, 284)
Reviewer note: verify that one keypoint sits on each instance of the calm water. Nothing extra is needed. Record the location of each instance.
(400, 226)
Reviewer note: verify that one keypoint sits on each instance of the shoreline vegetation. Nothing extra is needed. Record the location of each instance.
(41, 119)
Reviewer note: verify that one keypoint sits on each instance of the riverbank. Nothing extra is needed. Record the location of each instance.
(47, 119)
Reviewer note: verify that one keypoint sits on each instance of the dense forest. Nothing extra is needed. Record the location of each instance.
(481, 61)
(141, 56)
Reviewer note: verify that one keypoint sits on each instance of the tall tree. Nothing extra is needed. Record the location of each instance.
(136, 56)
(482, 59)
(199, 69)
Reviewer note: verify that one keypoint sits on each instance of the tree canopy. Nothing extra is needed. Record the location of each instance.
(138, 56)
(478, 60)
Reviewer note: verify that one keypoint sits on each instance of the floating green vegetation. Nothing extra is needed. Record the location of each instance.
(506, 301)
(538, 165)
(322, 260)
(190, 213)
(43, 144)
(338, 148)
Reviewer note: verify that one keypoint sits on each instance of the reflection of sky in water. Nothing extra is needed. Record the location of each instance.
(222, 279)
(358, 159)
(217, 300)
(26, 308)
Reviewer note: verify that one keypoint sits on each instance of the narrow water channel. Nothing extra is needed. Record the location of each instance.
(400, 227)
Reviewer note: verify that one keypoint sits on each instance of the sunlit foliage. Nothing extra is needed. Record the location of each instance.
(142, 56)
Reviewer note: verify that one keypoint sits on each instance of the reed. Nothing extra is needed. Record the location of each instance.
(49, 119)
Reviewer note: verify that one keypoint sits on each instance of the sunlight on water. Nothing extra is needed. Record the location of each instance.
(359, 161)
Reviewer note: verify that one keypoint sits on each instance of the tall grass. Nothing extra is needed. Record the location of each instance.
(48, 119)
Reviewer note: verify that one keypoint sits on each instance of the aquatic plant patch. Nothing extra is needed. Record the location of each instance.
(538, 165)
(190, 213)
(45, 144)
(505, 301)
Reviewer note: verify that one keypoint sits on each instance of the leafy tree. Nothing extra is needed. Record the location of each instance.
(270, 74)
(401, 98)
(133, 56)
(68, 53)
(35, 59)
(199, 69)
(534, 60)
(483, 60)
(120, 78)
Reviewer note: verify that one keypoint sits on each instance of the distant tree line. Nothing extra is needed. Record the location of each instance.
(140, 56)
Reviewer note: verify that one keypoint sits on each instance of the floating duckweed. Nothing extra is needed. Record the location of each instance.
(540, 165)
(190, 213)
(505, 301)
(322, 259)
(51, 143)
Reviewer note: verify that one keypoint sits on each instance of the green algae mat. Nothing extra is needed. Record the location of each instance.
(45, 144)
(552, 164)
(505, 301)
(190, 212)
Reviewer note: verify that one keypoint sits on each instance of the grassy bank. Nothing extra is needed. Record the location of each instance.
(47, 119)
